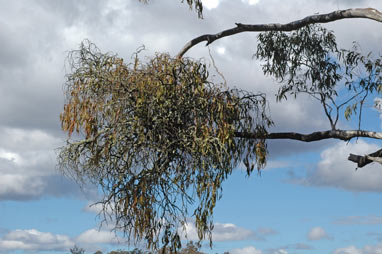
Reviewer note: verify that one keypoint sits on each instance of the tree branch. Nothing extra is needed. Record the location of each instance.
(367, 159)
(367, 13)
(314, 136)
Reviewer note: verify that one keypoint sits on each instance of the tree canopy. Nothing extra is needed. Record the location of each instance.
(160, 136)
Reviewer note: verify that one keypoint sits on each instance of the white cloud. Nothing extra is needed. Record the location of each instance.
(10, 156)
(93, 208)
(372, 249)
(35, 240)
(348, 250)
(14, 186)
(317, 233)
(246, 250)
(275, 164)
(368, 249)
(211, 4)
(94, 236)
(336, 171)
(230, 232)
(28, 165)
(251, 2)
(221, 50)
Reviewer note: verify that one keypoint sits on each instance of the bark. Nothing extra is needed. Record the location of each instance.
(314, 136)
(366, 13)
(345, 135)
(367, 159)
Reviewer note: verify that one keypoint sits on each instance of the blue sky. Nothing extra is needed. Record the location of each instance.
(309, 199)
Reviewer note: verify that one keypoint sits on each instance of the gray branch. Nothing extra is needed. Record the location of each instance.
(345, 135)
(321, 135)
(367, 159)
(366, 13)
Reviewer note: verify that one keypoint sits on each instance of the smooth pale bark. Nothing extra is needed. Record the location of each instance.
(365, 13)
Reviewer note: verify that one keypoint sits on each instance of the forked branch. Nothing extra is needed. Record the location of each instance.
(365, 160)
(366, 13)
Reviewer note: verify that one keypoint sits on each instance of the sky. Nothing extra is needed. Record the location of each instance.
(309, 198)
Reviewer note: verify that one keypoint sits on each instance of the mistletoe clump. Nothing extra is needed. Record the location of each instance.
(156, 136)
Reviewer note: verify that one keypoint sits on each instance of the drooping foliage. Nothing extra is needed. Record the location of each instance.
(160, 137)
(197, 5)
(156, 137)
(309, 61)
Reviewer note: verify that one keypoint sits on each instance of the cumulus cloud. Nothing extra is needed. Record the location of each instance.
(335, 170)
(246, 250)
(230, 232)
(28, 166)
(318, 233)
(94, 236)
(35, 240)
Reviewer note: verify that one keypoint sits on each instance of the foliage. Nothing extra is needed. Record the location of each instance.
(197, 4)
(308, 61)
(77, 250)
(191, 248)
(135, 251)
(156, 136)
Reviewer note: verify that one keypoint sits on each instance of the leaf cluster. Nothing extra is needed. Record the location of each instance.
(156, 136)
(308, 61)
(302, 60)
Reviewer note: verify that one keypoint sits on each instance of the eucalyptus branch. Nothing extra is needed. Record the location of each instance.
(327, 113)
(367, 159)
(360, 109)
(345, 135)
(366, 13)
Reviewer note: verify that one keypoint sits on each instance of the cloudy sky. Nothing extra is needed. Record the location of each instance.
(309, 199)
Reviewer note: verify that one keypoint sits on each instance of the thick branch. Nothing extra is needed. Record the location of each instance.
(364, 160)
(367, 13)
(315, 136)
